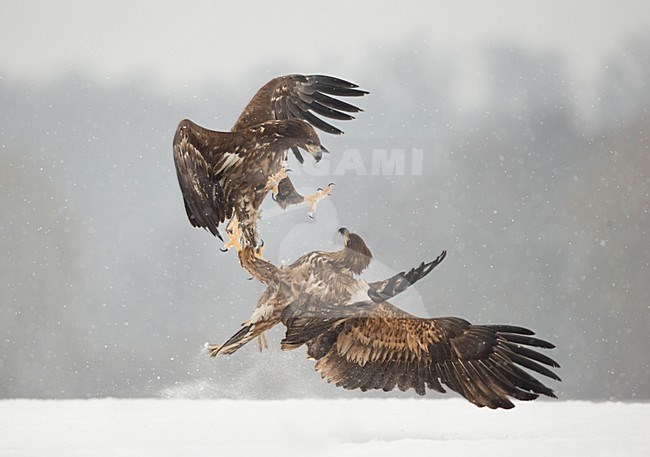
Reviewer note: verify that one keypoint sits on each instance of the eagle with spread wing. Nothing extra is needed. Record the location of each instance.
(324, 275)
(361, 341)
(227, 175)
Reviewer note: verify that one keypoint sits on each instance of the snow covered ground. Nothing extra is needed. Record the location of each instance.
(448, 427)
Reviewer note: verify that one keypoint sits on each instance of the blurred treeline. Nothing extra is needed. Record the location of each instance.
(538, 188)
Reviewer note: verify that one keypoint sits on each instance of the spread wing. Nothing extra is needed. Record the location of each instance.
(300, 96)
(203, 158)
(380, 291)
(303, 97)
(367, 346)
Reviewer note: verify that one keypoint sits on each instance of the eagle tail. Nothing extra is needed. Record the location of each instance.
(243, 336)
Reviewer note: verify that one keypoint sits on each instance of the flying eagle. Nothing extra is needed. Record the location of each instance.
(361, 341)
(323, 275)
(226, 175)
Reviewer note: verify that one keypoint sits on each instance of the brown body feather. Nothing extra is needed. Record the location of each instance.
(321, 275)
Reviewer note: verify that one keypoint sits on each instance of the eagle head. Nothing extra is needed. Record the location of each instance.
(299, 133)
(355, 245)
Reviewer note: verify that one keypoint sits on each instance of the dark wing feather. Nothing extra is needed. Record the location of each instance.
(385, 290)
(305, 321)
(382, 347)
(202, 195)
(327, 111)
(332, 85)
(331, 102)
(203, 161)
(296, 96)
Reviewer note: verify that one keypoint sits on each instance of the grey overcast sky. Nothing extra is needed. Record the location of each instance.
(184, 43)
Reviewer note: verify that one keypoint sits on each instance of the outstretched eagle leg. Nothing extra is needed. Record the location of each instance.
(317, 196)
(250, 238)
(234, 233)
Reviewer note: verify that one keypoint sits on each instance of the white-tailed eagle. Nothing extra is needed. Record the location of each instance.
(322, 275)
(226, 175)
(361, 341)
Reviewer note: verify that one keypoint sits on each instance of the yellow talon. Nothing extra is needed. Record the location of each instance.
(316, 197)
(234, 233)
(273, 181)
(259, 251)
